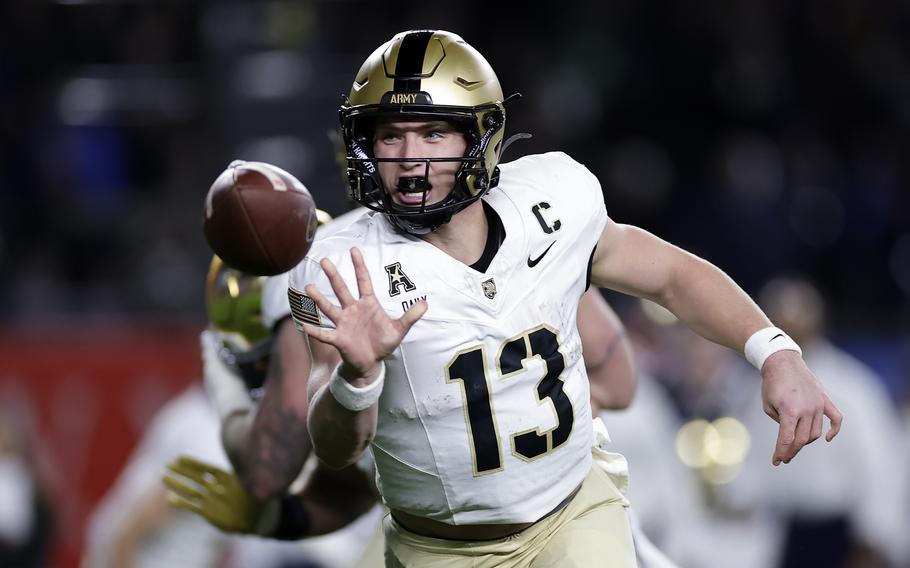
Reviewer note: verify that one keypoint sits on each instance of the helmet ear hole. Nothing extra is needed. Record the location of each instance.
(492, 120)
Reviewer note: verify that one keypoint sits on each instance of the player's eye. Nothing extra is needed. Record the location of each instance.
(388, 136)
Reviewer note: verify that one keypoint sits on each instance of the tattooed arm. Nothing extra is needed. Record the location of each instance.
(271, 447)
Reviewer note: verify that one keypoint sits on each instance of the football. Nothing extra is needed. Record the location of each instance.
(259, 218)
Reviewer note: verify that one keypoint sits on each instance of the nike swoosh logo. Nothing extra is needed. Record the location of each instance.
(775, 337)
(533, 262)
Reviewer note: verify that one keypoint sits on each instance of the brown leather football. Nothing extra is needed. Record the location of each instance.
(259, 218)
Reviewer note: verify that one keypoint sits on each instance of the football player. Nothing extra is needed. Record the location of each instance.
(236, 353)
(467, 286)
(248, 339)
(332, 499)
(133, 524)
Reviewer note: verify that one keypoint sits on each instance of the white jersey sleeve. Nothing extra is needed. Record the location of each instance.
(275, 299)
(571, 205)
(340, 223)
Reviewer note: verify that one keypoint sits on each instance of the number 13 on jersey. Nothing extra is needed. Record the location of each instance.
(469, 368)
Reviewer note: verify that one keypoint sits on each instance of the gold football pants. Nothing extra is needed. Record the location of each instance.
(592, 530)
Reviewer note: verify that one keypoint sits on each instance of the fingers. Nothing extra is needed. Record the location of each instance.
(188, 463)
(803, 434)
(178, 501)
(195, 470)
(321, 334)
(817, 424)
(835, 416)
(338, 284)
(364, 284)
(340, 287)
(182, 489)
(410, 317)
(772, 412)
(786, 436)
(325, 306)
(797, 432)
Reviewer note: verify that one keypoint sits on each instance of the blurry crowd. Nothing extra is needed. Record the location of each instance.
(699, 447)
(764, 136)
(769, 137)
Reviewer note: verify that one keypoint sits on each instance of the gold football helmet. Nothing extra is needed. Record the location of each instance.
(429, 75)
(234, 303)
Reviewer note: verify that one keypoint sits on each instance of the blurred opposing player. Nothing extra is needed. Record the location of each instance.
(26, 516)
(134, 524)
(267, 351)
(249, 328)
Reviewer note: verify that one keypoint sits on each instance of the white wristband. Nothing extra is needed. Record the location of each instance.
(356, 398)
(765, 342)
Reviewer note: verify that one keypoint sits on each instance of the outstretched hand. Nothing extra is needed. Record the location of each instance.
(212, 493)
(364, 334)
(794, 397)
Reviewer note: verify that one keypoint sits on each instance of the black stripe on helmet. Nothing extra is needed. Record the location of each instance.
(409, 65)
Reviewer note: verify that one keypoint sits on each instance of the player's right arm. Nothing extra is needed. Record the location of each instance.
(351, 356)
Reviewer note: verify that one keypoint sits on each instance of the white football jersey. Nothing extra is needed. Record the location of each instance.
(275, 288)
(485, 415)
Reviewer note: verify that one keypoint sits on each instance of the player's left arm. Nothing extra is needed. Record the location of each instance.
(633, 261)
(607, 353)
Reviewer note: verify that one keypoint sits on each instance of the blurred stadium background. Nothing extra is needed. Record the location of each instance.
(770, 137)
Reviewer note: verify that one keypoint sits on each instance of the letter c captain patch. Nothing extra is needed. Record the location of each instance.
(397, 279)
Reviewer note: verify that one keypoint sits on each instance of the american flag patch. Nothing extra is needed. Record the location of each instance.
(303, 308)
